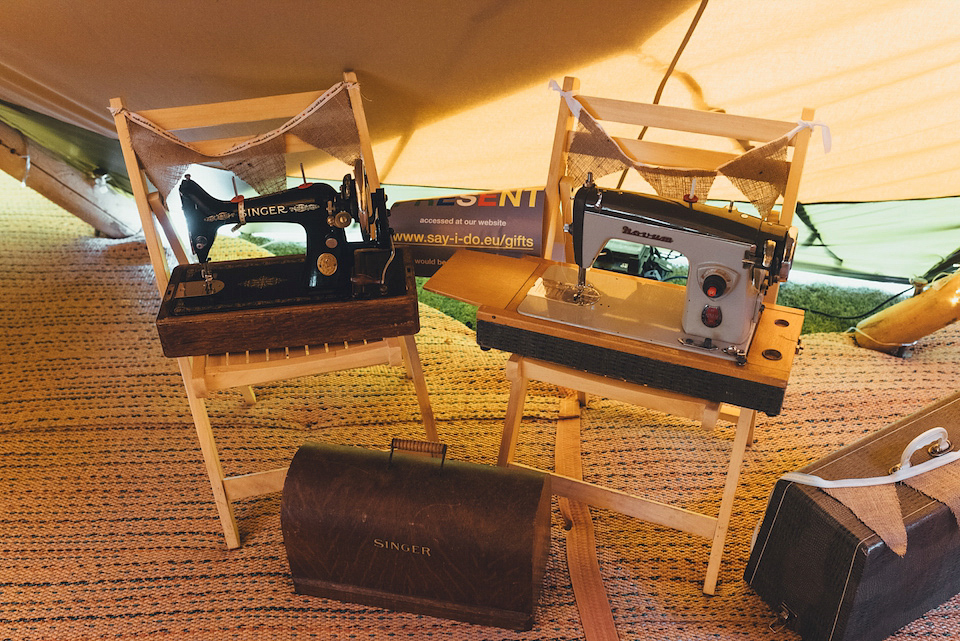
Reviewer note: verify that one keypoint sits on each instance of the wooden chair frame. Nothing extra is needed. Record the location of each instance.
(557, 212)
(203, 374)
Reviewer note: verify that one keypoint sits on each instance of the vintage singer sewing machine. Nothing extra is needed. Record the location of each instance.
(732, 257)
(345, 288)
(332, 264)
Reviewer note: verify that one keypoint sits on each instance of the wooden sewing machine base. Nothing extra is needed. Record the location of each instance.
(265, 305)
(699, 387)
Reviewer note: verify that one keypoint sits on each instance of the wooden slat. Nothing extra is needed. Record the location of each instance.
(635, 506)
(259, 370)
(160, 213)
(138, 182)
(219, 145)
(585, 575)
(659, 400)
(298, 351)
(255, 484)
(366, 148)
(655, 153)
(742, 436)
(552, 224)
(801, 144)
(109, 212)
(675, 118)
(256, 357)
(230, 112)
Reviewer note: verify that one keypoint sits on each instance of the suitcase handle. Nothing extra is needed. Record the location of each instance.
(433, 448)
(903, 470)
(941, 446)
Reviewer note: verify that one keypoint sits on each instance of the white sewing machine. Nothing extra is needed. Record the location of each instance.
(733, 257)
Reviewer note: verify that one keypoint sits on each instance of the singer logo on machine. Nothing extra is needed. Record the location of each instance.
(271, 210)
(642, 234)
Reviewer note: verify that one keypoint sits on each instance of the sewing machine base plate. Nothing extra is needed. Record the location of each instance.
(264, 304)
(615, 310)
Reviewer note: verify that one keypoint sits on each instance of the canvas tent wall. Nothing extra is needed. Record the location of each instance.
(456, 94)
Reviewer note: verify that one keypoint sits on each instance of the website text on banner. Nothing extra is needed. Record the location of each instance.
(502, 222)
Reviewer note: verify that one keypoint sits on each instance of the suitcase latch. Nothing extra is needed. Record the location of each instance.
(784, 619)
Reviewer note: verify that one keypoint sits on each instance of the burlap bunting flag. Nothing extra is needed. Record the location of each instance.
(760, 173)
(328, 124)
(878, 507)
(941, 484)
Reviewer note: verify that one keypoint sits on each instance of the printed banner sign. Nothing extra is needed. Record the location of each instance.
(502, 222)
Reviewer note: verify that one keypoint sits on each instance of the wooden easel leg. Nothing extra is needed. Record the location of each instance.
(411, 361)
(566, 451)
(211, 459)
(744, 430)
(596, 616)
(711, 414)
(249, 396)
(518, 393)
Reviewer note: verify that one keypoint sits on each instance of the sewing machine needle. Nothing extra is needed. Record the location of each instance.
(581, 284)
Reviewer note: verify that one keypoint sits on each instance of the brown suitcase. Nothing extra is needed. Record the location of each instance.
(391, 529)
(829, 576)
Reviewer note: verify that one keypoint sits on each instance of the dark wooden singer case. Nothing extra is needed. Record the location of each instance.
(456, 540)
(833, 579)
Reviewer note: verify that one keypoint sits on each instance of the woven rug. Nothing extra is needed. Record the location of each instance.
(107, 524)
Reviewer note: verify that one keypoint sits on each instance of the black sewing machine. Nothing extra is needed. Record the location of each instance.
(346, 287)
(334, 268)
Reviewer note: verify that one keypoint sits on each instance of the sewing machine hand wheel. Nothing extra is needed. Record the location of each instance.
(363, 201)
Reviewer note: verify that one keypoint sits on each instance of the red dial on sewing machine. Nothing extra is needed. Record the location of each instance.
(714, 286)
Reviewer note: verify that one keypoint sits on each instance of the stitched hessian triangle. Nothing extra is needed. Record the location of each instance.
(328, 124)
(593, 151)
(761, 173)
(941, 484)
(878, 507)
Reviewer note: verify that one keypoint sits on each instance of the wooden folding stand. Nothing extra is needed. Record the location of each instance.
(235, 366)
(540, 348)
(696, 386)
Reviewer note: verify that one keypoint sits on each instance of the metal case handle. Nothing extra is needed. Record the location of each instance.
(433, 448)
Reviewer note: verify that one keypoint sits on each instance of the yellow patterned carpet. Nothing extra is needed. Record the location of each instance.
(108, 529)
